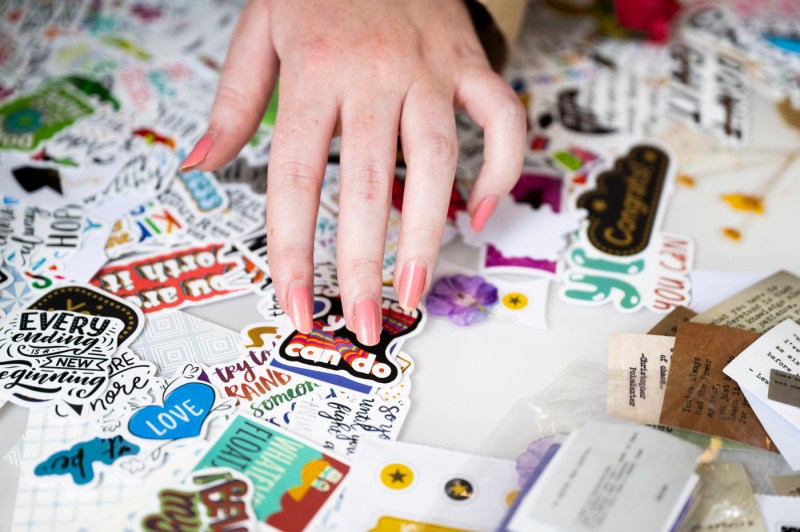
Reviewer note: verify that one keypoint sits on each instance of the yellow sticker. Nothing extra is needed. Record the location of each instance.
(396, 524)
(515, 301)
(511, 496)
(397, 476)
(459, 489)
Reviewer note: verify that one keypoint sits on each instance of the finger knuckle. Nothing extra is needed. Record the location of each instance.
(368, 182)
(438, 145)
(511, 110)
(470, 51)
(313, 52)
(384, 50)
(294, 177)
(288, 257)
(232, 97)
(364, 267)
(426, 235)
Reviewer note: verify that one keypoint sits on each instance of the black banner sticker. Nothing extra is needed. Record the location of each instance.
(624, 203)
(90, 300)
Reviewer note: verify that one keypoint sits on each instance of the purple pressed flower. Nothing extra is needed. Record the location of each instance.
(528, 461)
(463, 299)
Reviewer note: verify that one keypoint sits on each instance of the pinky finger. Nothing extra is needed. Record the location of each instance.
(495, 107)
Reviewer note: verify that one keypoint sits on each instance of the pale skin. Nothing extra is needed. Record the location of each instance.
(370, 71)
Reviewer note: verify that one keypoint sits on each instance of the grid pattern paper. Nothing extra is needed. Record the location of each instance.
(170, 340)
(56, 503)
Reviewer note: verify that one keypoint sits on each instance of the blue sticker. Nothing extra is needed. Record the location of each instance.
(334, 380)
(203, 188)
(182, 416)
(320, 306)
(790, 44)
(78, 460)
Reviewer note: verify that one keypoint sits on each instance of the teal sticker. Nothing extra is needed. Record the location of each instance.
(78, 460)
(602, 289)
(292, 479)
(580, 258)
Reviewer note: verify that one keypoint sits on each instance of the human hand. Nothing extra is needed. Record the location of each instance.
(370, 69)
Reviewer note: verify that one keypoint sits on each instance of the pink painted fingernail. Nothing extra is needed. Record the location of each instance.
(411, 284)
(199, 152)
(484, 211)
(368, 322)
(300, 308)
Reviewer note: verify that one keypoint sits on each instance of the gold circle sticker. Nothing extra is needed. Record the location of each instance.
(515, 301)
(397, 476)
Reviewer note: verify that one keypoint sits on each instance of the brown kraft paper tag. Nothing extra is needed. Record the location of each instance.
(699, 396)
(669, 325)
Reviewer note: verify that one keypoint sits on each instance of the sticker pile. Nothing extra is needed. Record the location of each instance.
(145, 417)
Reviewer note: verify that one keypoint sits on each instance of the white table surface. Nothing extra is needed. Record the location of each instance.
(466, 380)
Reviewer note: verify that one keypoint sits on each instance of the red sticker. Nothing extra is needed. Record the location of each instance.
(181, 278)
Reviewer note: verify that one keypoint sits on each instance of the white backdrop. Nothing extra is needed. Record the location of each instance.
(466, 380)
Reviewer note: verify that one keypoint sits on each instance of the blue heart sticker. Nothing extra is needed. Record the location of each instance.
(182, 416)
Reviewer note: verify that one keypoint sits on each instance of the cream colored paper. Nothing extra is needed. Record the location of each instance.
(638, 365)
(760, 307)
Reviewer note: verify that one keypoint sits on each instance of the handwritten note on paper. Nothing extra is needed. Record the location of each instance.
(699, 396)
(778, 349)
(760, 307)
(339, 423)
(638, 365)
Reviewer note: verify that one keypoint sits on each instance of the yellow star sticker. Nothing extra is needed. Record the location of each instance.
(515, 301)
(459, 489)
(397, 476)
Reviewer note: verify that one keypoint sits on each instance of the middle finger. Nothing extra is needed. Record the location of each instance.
(368, 155)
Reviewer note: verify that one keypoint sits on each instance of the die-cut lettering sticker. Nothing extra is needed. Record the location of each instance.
(332, 348)
(56, 355)
(182, 277)
(130, 384)
(218, 499)
(88, 300)
(187, 405)
(78, 461)
(625, 201)
(293, 479)
(620, 256)
(184, 411)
